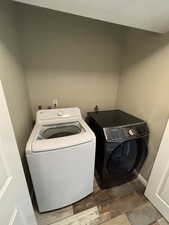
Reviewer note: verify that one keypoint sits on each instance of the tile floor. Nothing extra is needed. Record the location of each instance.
(123, 205)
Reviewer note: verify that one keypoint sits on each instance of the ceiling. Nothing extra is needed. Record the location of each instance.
(151, 15)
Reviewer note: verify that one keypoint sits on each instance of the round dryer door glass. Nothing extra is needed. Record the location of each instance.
(123, 158)
(61, 130)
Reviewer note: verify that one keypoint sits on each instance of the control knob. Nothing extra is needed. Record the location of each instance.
(132, 132)
(59, 114)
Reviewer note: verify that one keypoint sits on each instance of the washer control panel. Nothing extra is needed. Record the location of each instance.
(126, 132)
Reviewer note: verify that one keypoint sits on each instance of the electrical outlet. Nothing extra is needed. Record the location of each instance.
(54, 103)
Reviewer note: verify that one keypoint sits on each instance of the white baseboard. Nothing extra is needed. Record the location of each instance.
(141, 178)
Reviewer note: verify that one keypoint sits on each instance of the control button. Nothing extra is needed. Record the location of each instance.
(131, 132)
(59, 114)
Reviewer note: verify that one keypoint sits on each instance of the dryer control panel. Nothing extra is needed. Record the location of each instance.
(121, 133)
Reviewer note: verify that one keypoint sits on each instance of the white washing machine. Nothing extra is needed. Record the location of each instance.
(61, 155)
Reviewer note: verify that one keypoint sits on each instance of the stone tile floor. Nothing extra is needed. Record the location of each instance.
(122, 205)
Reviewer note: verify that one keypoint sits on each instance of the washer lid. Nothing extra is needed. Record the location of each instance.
(58, 136)
(59, 130)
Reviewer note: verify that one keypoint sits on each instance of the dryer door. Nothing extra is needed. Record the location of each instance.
(123, 158)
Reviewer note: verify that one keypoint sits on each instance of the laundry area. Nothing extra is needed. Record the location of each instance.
(84, 112)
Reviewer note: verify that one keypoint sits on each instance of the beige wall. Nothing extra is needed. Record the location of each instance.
(12, 76)
(144, 84)
(71, 58)
(78, 61)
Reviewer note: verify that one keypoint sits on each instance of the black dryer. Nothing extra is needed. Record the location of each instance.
(121, 146)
